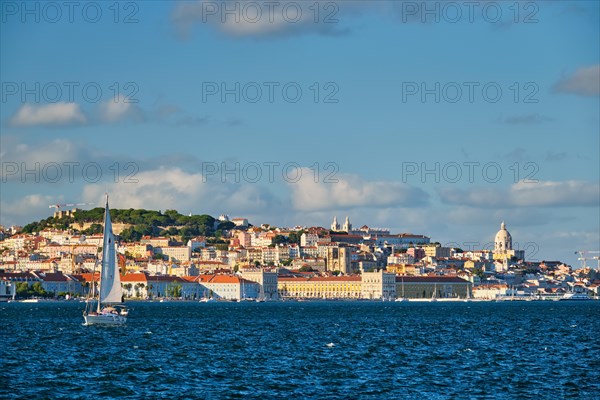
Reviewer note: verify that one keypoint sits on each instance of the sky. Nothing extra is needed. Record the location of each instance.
(434, 118)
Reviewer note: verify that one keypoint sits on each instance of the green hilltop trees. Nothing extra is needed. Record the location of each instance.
(144, 222)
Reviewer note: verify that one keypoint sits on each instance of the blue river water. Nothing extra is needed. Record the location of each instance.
(324, 350)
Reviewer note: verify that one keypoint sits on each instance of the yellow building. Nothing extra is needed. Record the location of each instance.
(503, 250)
(331, 287)
(404, 269)
(433, 250)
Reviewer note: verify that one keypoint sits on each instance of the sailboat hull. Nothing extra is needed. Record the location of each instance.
(104, 319)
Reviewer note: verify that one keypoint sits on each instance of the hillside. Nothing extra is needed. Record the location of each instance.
(144, 222)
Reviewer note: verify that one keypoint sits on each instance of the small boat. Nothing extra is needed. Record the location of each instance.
(574, 296)
(207, 300)
(108, 310)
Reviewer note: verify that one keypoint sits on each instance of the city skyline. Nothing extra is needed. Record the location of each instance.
(442, 122)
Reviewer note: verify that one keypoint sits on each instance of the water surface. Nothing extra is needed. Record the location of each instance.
(333, 350)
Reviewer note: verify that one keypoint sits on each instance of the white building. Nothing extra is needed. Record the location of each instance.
(175, 253)
(378, 285)
(400, 258)
(309, 239)
(228, 287)
(266, 280)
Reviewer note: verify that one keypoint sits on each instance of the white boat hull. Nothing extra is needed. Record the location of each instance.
(104, 319)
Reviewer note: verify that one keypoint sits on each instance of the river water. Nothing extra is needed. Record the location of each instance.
(324, 350)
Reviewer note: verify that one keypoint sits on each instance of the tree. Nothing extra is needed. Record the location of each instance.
(280, 239)
(174, 290)
(23, 289)
(128, 287)
(149, 291)
(294, 237)
(93, 229)
(226, 226)
(38, 290)
(478, 271)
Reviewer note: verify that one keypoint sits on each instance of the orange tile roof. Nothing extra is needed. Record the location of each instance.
(135, 277)
(225, 279)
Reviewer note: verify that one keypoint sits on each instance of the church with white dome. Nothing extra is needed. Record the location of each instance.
(503, 246)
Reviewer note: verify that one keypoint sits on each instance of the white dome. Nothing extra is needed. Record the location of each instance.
(503, 240)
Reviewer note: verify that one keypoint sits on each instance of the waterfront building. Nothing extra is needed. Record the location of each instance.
(8, 290)
(490, 291)
(423, 287)
(267, 281)
(378, 285)
(141, 285)
(319, 287)
(57, 282)
(227, 287)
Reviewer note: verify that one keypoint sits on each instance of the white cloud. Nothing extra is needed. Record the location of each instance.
(56, 114)
(172, 188)
(351, 191)
(57, 151)
(521, 194)
(23, 207)
(118, 110)
(584, 82)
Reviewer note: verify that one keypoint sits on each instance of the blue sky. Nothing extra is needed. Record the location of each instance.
(369, 126)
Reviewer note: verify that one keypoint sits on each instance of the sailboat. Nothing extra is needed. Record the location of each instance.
(108, 311)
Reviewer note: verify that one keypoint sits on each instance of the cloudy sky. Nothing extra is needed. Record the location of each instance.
(437, 118)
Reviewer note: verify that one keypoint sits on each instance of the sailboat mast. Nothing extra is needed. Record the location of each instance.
(103, 263)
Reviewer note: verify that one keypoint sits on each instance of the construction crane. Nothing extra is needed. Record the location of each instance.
(58, 213)
(583, 258)
(59, 206)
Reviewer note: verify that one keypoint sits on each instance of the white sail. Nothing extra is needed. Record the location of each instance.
(110, 281)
